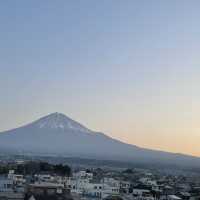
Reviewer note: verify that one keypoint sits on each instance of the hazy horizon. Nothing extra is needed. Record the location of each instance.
(128, 69)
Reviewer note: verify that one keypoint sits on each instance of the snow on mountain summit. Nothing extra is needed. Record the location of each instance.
(57, 134)
(60, 121)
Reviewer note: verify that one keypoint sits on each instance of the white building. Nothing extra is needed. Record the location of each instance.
(142, 194)
(6, 185)
(125, 186)
(83, 174)
(82, 183)
(17, 178)
(44, 177)
(8, 190)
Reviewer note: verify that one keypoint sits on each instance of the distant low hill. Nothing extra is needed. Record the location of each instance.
(57, 134)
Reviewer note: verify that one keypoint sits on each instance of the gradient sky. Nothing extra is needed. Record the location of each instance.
(128, 68)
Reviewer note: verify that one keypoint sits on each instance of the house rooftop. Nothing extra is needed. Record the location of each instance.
(46, 185)
(174, 197)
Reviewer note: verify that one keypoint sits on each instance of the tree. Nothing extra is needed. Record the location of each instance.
(63, 170)
(128, 171)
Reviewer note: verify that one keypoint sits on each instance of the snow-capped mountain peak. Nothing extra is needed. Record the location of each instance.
(57, 134)
(59, 121)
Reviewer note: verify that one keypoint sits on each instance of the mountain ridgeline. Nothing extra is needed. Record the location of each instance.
(57, 134)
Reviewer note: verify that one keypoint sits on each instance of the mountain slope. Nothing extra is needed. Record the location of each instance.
(59, 135)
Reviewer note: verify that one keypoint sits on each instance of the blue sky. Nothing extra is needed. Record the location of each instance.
(127, 68)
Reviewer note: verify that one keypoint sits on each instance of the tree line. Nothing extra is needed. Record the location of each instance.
(31, 168)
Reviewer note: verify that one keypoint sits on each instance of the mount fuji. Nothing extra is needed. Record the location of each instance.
(57, 134)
